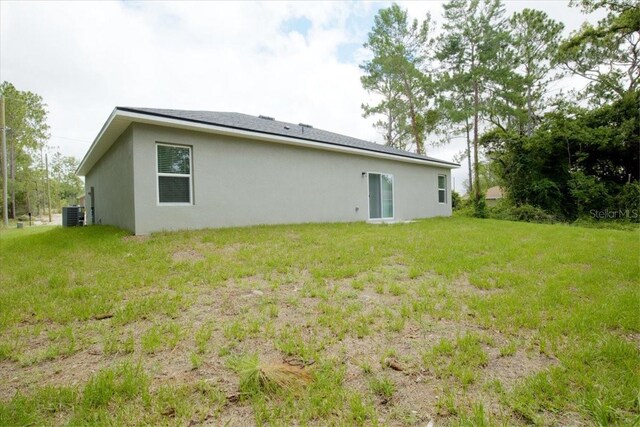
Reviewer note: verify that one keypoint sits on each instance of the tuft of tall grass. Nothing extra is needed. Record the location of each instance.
(269, 378)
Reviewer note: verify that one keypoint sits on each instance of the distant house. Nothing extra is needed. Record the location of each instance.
(493, 195)
(150, 170)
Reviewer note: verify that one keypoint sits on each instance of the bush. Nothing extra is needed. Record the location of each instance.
(470, 206)
(546, 194)
(622, 212)
(529, 213)
(525, 212)
(589, 192)
(466, 209)
(480, 207)
(505, 210)
(628, 200)
(456, 200)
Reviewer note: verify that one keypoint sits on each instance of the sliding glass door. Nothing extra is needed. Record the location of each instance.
(380, 196)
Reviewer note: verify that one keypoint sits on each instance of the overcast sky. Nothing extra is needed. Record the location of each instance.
(296, 61)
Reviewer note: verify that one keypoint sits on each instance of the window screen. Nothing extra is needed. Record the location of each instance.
(442, 189)
(174, 174)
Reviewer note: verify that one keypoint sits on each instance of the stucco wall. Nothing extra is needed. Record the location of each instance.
(238, 182)
(113, 183)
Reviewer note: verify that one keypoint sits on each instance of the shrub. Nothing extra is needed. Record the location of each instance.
(456, 200)
(588, 191)
(525, 212)
(529, 213)
(629, 200)
(462, 206)
(480, 207)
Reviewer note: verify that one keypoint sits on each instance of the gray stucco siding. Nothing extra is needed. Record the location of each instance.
(238, 182)
(113, 181)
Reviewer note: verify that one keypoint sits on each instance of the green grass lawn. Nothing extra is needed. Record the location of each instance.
(456, 320)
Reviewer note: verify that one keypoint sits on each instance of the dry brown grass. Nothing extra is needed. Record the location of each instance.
(283, 376)
(270, 378)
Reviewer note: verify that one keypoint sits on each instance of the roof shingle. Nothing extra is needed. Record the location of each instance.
(276, 127)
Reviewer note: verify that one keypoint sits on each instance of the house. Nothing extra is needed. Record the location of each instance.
(151, 169)
(493, 195)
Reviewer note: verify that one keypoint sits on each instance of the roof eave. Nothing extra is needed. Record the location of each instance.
(96, 151)
(82, 167)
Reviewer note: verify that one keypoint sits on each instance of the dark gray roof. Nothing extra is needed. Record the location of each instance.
(276, 127)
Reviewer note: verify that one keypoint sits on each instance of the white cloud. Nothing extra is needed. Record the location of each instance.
(84, 58)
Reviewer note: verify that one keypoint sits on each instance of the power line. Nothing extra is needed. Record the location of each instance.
(53, 136)
(66, 137)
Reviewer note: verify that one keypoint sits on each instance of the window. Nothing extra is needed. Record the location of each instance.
(442, 189)
(380, 196)
(174, 174)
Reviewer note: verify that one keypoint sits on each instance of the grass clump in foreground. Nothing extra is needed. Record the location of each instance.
(487, 322)
(269, 378)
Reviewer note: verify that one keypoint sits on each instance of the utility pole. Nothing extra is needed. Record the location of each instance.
(5, 211)
(46, 165)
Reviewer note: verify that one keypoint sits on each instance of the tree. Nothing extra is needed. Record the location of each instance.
(470, 47)
(534, 41)
(456, 108)
(392, 125)
(26, 120)
(66, 185)
(607, 54)
(396, 73)
(576, 160)
(489, 177)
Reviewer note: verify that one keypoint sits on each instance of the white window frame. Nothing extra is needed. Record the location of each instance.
(179, 175)
(393, 198)
(442, 189)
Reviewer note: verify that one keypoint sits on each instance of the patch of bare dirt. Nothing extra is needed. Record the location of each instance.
(630, 337)
(226, 250)
(509, 369)
(71, 370)
(418, 391)
(188, 255)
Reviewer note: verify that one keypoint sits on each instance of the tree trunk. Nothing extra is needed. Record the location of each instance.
(476, 107)
(28, 199)
(390, 141)
(417, 135)
(476, 119)
(37, 200)
(468, 129)
(12, 170)
(529, 127)
(46, 163)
